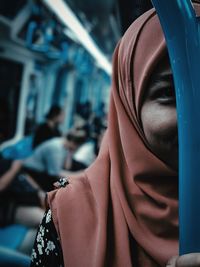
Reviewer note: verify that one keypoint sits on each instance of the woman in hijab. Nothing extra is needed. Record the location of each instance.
(123, 210)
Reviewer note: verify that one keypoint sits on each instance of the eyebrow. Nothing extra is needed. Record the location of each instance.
(161, 79)
(163, 75)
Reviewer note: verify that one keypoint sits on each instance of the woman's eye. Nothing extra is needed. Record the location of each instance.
(165, 95)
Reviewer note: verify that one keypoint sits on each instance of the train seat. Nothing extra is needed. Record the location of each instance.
(20, 150)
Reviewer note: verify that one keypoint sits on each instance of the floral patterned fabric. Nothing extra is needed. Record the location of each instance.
(47, 250)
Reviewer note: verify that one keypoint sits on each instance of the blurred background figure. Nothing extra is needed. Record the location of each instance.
(21, 211)
(48, 160)
(94, 127)
(20, 200)
(49, 128)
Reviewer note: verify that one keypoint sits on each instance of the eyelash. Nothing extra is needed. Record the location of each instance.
(165, 95)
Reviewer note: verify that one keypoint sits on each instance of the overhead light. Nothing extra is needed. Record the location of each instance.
(65, 14)
(71, 35)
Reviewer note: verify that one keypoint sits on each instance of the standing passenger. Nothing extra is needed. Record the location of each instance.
(123, 210)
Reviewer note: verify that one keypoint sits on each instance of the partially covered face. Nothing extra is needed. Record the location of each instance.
(158, 115)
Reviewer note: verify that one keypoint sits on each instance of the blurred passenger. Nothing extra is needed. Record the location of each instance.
(98, 138)
(84, 110)
(97, 129)
(94, 129)
(48, 160)
(49, 128)
(85, 153)
(20, 214)
(16, 204)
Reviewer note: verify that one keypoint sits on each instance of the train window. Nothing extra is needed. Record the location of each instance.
(31, 105)
(10, 8)
(10, 83)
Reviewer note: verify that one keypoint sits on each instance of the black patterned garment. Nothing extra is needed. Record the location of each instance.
(47, 250)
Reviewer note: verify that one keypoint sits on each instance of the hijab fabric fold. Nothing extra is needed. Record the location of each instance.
(128, 195)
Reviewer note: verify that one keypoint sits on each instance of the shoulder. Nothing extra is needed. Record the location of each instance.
(75, 185)
(42, 126)
(74, 208)
(57, 141)
(71, 199)
(53, 143)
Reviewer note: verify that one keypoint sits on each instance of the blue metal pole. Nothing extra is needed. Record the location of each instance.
(181, 29)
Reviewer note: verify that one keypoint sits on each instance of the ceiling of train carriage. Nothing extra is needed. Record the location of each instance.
(104, 20)
(100, 19)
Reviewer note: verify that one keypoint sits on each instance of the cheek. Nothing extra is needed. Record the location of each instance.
(158, 121)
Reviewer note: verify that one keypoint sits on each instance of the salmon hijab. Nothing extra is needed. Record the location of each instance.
(123, 210)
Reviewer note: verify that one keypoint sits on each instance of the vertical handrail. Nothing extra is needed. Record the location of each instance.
(181, 29)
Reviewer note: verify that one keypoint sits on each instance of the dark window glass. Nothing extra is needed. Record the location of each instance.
(10, 83)
(10, 8)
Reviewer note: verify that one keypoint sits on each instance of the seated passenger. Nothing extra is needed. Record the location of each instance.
(48, 160)
(17, 204)
(85, 154)
(49, 128)
(21, 212)
(88, 151)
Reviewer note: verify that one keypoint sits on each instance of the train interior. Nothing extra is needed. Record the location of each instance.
(55, 68)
